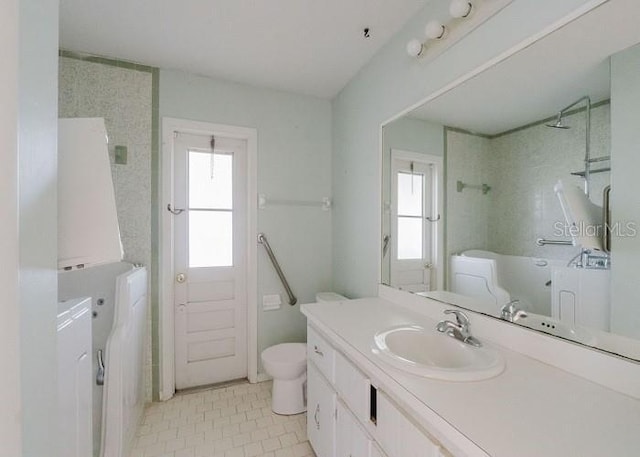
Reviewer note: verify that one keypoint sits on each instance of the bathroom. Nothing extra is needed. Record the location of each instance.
(317, 176)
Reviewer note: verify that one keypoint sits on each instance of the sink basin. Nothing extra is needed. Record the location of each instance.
(554, 327)
(428, 353)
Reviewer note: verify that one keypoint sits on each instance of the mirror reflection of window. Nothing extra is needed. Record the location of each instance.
(410, 215)
(414, 230)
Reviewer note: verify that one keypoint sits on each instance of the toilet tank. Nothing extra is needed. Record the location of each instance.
(322, 297)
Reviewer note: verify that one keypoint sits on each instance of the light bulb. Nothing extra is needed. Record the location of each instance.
(434, 30)
(460, 8)
(414, 48)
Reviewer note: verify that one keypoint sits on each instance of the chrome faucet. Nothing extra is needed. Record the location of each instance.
(459, 329)
(511, 311)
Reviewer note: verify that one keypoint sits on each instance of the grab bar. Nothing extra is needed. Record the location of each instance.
(485, 188)
(543, 242)
(100, 374)
(262, 239)
(606, 219)
(385, 244)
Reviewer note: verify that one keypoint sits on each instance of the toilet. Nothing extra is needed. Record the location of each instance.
(287, 364)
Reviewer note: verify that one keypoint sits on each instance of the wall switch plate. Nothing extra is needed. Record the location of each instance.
(121, 155)
(271, 302)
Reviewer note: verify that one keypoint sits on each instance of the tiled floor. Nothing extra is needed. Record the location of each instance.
(233, 421)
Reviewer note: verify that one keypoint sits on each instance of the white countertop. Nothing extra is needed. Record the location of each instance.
(531, 409)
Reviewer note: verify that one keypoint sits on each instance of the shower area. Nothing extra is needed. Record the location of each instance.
(119, 95)
(517, 223)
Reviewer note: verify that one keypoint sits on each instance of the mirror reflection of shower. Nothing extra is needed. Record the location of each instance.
(586, 174)
(505, 249)
(587, 148)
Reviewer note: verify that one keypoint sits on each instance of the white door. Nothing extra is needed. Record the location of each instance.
(415, 221)
(210, 259)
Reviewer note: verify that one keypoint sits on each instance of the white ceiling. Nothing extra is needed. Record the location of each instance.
(305, 46)
(537, 82)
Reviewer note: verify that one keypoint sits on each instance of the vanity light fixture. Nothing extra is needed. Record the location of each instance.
(415, 48)
(460, 8)
(436, 30)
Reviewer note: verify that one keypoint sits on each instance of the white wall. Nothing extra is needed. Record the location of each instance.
(416, 135)
(294, 162)
(37, 151)
(389, 83)
(10, 432)
(625, 189)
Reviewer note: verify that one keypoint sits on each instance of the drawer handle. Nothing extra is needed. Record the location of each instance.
(315, 416)
(318, 351)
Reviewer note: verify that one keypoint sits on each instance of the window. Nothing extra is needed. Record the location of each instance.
(210, 209)
(410, 215)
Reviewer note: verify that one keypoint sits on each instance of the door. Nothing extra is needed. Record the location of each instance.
(414, 222)
(210, 224)
(321, 414)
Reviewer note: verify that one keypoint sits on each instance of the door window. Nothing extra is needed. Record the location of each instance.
(210, 209)
(410, 215)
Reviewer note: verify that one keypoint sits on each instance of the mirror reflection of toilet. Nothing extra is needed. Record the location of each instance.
(286, 363)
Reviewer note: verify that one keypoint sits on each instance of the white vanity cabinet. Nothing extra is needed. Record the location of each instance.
(351, 439)
(321, 413)
(398, 435)
(347, 417)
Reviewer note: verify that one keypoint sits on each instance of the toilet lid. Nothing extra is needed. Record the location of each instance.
(286, 353)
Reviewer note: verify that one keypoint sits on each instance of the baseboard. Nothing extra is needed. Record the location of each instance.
(262, 377)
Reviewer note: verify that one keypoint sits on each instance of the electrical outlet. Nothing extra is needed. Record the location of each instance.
(271, 302)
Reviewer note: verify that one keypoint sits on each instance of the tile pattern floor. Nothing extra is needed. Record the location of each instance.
(232, 421)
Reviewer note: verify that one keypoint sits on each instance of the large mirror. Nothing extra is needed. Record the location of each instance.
(515, 193)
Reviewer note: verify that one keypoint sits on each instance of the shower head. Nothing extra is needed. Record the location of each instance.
(558, 124)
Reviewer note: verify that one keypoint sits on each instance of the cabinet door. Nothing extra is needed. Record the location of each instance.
(376, 452)
(351, 440)
(398, 436)
(353, 387)
(321, 413)
(320, 352)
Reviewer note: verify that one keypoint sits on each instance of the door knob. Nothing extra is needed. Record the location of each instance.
(180, 278)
